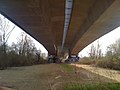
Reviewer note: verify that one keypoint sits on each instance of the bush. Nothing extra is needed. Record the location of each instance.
(3, 61)
(87, 61)
(40, 61)
(111, 64)
(12, 59)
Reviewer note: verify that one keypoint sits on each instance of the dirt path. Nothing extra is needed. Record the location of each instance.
(45, 77)
(111, 74)
(38, 77)
(5, 88)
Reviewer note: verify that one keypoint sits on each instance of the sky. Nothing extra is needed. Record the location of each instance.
(104, 41)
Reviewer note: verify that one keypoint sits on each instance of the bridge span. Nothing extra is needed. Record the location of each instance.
(63, 25)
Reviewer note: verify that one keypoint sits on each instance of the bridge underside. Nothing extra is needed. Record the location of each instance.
(44, 20)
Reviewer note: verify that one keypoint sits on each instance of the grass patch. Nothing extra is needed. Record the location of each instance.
(108, 86)
(67, 67)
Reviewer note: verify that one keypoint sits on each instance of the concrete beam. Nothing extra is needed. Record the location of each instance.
(42, 19)
(98, 24)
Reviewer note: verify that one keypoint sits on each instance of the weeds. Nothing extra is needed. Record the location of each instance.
(104, 63)
(67, 67)
(108, 86)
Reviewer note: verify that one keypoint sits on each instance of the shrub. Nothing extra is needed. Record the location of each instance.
(87, 61)
(12, 59)
(111, 64)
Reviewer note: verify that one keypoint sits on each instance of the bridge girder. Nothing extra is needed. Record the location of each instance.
(44, 20)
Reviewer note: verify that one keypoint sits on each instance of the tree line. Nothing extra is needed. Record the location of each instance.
(111, 58)
(21, 53)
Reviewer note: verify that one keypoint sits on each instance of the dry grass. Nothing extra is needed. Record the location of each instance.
(47, 77)
(108, 73)
(108, 86)
(103, 62)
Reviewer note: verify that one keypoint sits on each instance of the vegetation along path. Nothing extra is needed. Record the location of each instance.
(109, 73)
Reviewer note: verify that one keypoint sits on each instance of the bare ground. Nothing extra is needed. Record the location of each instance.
(46, 77)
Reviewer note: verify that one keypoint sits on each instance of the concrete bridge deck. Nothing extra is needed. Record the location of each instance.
(45, 21)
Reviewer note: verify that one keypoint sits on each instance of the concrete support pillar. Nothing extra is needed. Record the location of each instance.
(69, 57)
(69, 53)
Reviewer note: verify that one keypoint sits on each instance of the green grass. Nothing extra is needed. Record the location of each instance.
(67, 67)
(109, 86)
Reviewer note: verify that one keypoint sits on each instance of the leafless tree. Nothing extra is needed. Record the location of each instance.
(25, 46)
(113, 50)
(5, 32)
(95, 51)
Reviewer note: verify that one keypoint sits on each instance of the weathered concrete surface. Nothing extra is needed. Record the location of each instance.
(44, 20)
(97, 24)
